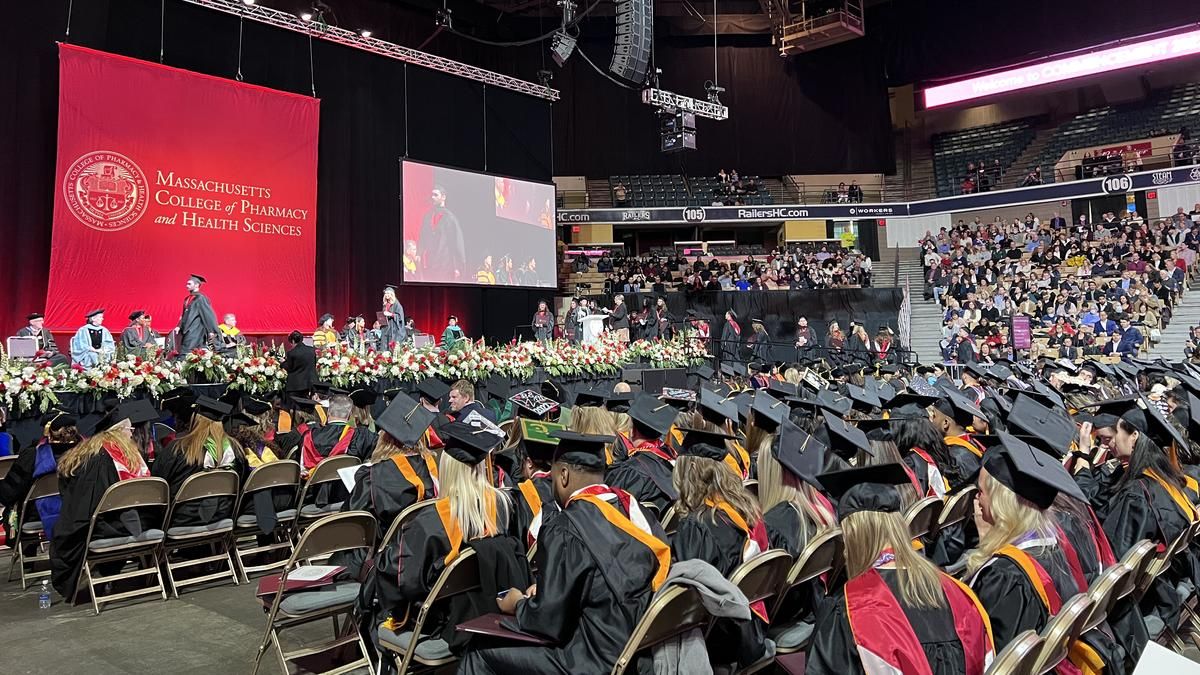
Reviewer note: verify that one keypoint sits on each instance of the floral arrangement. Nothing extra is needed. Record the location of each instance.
(25, 387)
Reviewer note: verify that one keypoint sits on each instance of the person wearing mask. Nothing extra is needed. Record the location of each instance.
(92, 344)
(139, 336)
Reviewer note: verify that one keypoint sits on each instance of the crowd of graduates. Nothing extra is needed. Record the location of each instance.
(581, 510)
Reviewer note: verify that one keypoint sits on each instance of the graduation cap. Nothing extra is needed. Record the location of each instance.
(868, 488)
(769, 412)
(1160, 428)
(728, 370)
(465, 443)
(199, 278)
(861, 399)
(559, 391)
(595, 396)
(799, 453)
(137, 411)
(322, 388)
(586, 450)
(1193, 423)
(705, 372)
(137, 314)
(1029, 472)
(619, 402)
(498, 387)
(876, 429)
(94, 312)
(538, 440)
(830, 400)
(743, 400)
(907, 398)
(782, 389)
(707, 444)
(88, 424)
(303, 403)
(364, 397)
(405, 420)
(533, 402)
(977, 369)
(35, 315)
(844, 439)
(654, 416)
(211, 408)
(433, 389)
(717, 408)
(680, 399)
(1050, 428)
(958, 407)
(239, 419)
(58, 419)
(889, 368)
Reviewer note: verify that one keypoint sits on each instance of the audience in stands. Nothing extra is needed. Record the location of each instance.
(1034, 177)
(1078, 286)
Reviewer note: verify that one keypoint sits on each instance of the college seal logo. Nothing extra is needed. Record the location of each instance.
(106, 191)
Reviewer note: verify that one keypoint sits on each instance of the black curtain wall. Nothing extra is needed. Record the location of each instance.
(374, 110)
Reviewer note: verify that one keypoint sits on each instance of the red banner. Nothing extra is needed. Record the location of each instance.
(164, 173)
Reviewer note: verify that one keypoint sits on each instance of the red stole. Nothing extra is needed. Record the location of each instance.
(881, 630)
(312, 457)
(657, 448)
(124, 471)
(737, 330)
(1072, 557)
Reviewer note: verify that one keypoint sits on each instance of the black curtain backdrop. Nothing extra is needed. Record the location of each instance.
(374, 110)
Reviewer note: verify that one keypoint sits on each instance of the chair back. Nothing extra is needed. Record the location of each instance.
(405, 516)
(957, 508)
(460, 576)
(327, 470)
(337, 532)
(1062, 629)
(674, 611)
(6, 464)
(1018, 657)
(922, 516)
(133, 493)
(751, 486)
(280, 473)
(43, 486)
(205, 484)
(817, 558)
(762, 577)
(670, 520)
(1104, 594)
(162, 431)
(1138, 559)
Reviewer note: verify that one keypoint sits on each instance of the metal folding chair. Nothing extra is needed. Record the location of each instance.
(30, 533)
(411, 649)
(142, 495)
(217, 534)
(279, 475)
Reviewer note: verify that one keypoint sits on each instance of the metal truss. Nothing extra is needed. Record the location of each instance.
(662, 98)
(288, 21)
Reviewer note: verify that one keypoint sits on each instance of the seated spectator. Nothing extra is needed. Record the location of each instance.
(855, 192)
(620, 194)
(843, 193)
(1034, 177)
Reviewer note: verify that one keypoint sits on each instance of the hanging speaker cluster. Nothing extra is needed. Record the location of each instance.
(632, 44)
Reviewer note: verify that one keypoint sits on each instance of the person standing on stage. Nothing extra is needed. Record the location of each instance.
(443, 255)
(453, 334)
(662, 318)
(47, 347)
(392, 331)
(731, 338)
(543, 323)
(92, 344)
(198, 323)
(300, 365)
(619, 319)
(139, 335)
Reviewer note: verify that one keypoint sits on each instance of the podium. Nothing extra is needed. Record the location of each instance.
(593, 326)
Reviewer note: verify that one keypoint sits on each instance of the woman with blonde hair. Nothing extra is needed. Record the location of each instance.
(598, 421)
(85, 472)
(469, 510)
(205, 446)
(721, 524)
(897, 612)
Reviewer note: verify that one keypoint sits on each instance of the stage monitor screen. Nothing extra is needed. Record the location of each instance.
(462, 227)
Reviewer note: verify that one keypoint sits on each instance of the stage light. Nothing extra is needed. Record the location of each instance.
(248, 2)
(365, 33)
(307, 16)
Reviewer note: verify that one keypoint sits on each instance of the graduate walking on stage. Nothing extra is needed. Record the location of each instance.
(198, 323)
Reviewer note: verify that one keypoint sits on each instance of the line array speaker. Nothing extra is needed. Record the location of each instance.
(633, 40)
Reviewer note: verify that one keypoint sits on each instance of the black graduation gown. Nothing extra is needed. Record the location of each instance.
(384, 492)
(594, 584)
(731, 342)
(324, 438)
(647, 477)
(1142, 509)
(15, 485)
(171, 467)
(783, 531)
(81, 494)
(523, 512)
(196, 323)
(833, 650)
(720, 544)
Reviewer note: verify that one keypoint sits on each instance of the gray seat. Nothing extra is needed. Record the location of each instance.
(250, 520)
(431, 648)
(35, 526)
(314, 510)
(183, 531)
(145, 537)
(791, 636)
(304, 602)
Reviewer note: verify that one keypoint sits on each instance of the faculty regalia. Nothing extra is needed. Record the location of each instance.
(868, 615)
(599, 563)
(646, 474)
(81, 494)
(534, 505)
(135, 339)
(196, 322)
(90, 337)
(171, 466)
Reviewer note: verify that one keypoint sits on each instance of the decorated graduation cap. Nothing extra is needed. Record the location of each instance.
(467, 444)
(844, 439)
(532, 403)
(655, 417)
(769, 412)
(364, 397)
(433, 389)
(1032, 474)
(703, 443)
(1050, 428)
(799, 453)
(868, 488)
(405, 420)
(585, 450)
(538, 440)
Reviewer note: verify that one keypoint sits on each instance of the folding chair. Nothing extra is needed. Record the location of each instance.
(751, 486)
(957, 509)
(818, 557)
(1019, 656)
(29, 532)
(281, 474)
(761, 579)
(674, 611)
(922, 516)
(1104, 594)
(142, 495)
(6, 463)
(670, 520)
(405, 516)
(325, 472)
(411, 645)
(217, 534)
(1062, 630)
(326, 536)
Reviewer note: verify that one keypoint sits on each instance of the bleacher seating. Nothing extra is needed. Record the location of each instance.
(675, 190)
(953, 150)
(1166, 110)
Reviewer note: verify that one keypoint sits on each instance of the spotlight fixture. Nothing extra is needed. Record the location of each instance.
(248, 2)
(444, 18)
(545, 77)
(561, 47)
(365, 33)
(307, 16)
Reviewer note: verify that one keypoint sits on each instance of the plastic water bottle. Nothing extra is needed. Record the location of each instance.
(44, 595)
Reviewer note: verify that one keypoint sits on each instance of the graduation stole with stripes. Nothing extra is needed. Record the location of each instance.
(124, 470)
(452, 527)
(534, 499)
(738, 460)
(938, 485)
(640, 531)
(657, 448)
(756, 542)
(1185, 505)
(311, 457)
(965, 442)
(406, 470)
(886, 640)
